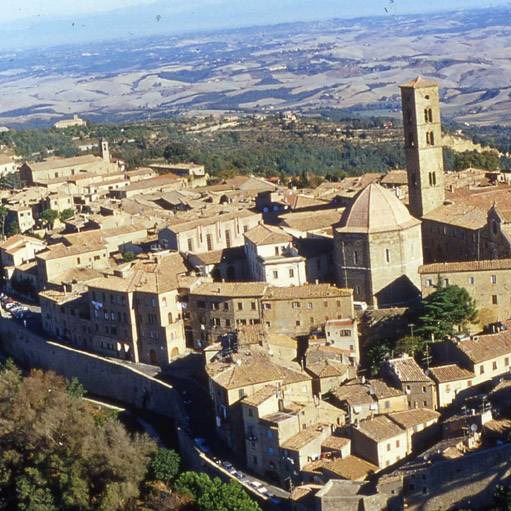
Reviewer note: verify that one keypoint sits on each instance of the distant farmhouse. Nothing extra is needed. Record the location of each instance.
(68, 123)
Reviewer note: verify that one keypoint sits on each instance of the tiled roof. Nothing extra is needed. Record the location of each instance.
(231, 289)
(419, 83)
(267, 235)
(180, 225)
(379, 428)
(410, 418)
(251, 370)
(351, 467)
(354, 394)
(335, 442)
(459, 214)
(219, 256)
(376, 209)
(462, 266)
(486, 347)
(312, 221)
(304, 437)
(327, 369)
(395, 177)
(407, 370)
(451, 372)
(261, 395)
(306, 291)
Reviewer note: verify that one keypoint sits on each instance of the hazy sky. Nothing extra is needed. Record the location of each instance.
(19, 9)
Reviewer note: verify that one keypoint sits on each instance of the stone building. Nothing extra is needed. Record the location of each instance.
(273, 258)
(406, 374)
(133, 314)
(215, 309)
(300, 310)
(487, 282)
(209, 233)
(378, 249)
(423, 145)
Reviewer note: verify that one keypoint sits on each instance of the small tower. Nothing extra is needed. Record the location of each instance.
(423, 145)
(105, 151)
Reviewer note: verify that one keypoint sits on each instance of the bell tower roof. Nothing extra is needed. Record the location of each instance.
(419, 83)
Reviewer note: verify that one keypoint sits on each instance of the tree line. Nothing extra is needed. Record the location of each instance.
(59, 453)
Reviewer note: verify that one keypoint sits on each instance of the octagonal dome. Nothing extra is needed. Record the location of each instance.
(376, 209)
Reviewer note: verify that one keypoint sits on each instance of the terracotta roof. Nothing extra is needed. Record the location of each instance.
(461, 266)
(451, 372)
(251, 370)
(312, 221)
(395, 177)
(267, 235)
(182, 225)
(262, 395)
(231, 289)
(461, 214)
(355, 394)
(60, 250)
(410, 418)
(304, 437)
(327, 369)
(382, 390)
(306, 291)
(419, 83)
(486, 347)
(351, 467)
(335, 442)
(376, 209)
(380, 428)
(407, 370)
(56, 163)
(219, 256)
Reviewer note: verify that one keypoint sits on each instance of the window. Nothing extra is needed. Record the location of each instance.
(209, 242)
(430, 138)
(398, 443)
(240, 306)
(494, 279)
(250, 412)
(228, 238)
(429, 282)
(494, 299)
(446, 282)
(506, 361)
(481, 369)
(309, 305)
(494, 365)
(277, 251)
(345, 333)
(355, 257)
(253, 306)
(291, 273)
(298, 322)
(295, 305)
(254, 459)
(190, 244)
(387, 255)
(432, 178)
(241, 393)
(267, 306)
(428, 115)
(424, 389)
(471, 280)
(388, 447)
(275, 274)
(227, 323)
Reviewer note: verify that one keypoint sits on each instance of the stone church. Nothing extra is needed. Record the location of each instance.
(379, 243)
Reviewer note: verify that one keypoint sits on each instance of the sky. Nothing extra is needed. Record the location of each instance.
(44, 23)
(19, 9)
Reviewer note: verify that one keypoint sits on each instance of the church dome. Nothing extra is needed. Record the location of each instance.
(376, 209)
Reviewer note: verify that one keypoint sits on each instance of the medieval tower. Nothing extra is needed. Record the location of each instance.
(423, 145)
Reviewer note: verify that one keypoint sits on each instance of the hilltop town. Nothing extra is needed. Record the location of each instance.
(352, 335)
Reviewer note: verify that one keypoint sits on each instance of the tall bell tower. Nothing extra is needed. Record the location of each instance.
(423, 145)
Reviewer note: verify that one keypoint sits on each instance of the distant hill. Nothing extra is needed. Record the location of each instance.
(354, 65)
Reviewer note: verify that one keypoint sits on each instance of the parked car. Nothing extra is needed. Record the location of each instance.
(228, 466)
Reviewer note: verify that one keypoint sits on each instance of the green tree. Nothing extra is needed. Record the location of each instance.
(410, 345)
(48, 217)
(55, 455)
(176, 152)
(376, 354)
(165, 465)
(12, 227)
(66, 214)
(446, 311)
(213, 495)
